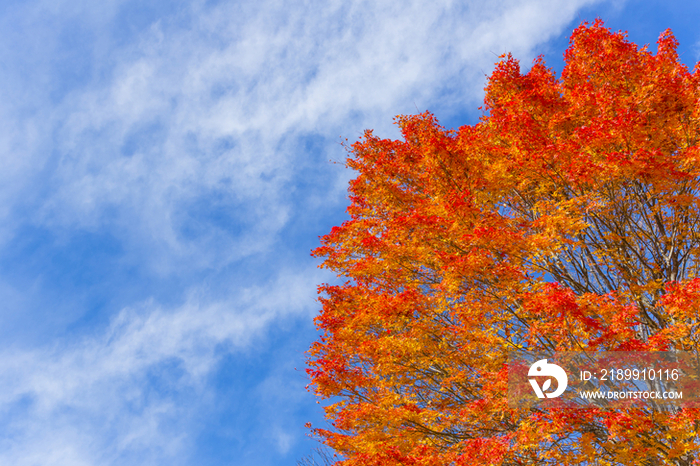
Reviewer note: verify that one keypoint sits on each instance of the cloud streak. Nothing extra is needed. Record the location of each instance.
(134, 388)
(211, 102)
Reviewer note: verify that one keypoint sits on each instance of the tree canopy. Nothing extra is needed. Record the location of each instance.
(566, 219)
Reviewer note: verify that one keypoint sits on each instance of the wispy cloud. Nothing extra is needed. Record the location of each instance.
(133, 389)
(207, 104)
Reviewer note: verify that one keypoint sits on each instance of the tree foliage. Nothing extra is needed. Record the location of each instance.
(568, 218)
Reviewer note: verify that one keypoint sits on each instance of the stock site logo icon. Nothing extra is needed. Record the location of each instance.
(543, 369)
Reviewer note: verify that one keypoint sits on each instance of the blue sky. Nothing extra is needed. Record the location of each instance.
(165, 169)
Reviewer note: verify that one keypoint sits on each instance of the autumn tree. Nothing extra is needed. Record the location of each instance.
(566, 219)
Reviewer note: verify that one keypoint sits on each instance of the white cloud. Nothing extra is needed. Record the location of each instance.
(94, 401)
(213, 99)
